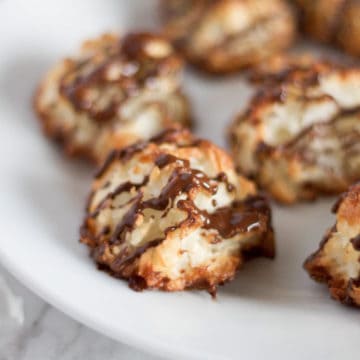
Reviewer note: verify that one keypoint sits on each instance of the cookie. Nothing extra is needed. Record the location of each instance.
(337, 261)
(115, 92)
(223, 36)
(172, 214)
(299, 135)
(334, 22)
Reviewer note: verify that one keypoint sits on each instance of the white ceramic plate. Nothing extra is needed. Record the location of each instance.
(272, 309)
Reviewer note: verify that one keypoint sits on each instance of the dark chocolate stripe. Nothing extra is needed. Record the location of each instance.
(127, 186)
(132, 49)
(122, 155)
(241, 217)
(181, 180)
(249, 216)
(356, 242)
(128, 221)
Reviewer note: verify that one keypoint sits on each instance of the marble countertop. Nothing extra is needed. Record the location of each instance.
(48, 334)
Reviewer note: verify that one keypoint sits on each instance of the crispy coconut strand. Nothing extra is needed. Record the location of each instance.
(115, 92)
(226, 35)
(332, 21)
(299, 136)
(337, 262)
(172, 214)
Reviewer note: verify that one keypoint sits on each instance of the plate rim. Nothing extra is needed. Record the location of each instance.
(146, 344)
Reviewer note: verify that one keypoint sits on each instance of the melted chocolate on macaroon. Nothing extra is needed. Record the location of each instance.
(356, 242)
(130, 52)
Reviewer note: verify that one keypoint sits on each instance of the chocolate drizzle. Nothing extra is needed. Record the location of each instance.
(183, 180)
(121, 154)
(356, 242)
(230, 221)
(222, 177)
(89, 82)
(127, 186)
(166, 159)
(127, 222)
(238, 218)
(76, 90)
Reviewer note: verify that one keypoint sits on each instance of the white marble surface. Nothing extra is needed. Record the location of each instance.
(48, 334)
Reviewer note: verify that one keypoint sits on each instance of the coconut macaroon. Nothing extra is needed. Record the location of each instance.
(348, 35)
(115, 92)
(226, 35)
(300, 134)
(337, 261)
(332, 21)
(320, 18)
(172, 214)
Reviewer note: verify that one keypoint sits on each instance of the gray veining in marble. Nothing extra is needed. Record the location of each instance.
(47, 334)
